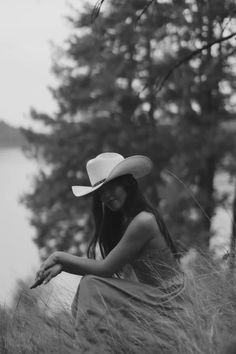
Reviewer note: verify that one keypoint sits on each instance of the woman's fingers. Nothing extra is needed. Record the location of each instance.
(49, 263)
(48, 278)
(38, 275)
(39, 278)
(42, 270)
(52, 272)
(44, 276)
(38, 281)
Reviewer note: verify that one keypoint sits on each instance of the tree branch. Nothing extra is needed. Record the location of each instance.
(144, 10)
(96, 10)
(189, 57)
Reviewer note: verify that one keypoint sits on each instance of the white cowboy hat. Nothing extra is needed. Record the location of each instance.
(110, 165)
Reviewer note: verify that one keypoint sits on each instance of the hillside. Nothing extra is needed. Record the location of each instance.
(10, 136)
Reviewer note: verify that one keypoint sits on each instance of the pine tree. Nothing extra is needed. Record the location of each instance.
(108, 100)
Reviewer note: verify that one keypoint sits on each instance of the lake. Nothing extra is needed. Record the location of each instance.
(18, 254)
(19, 257)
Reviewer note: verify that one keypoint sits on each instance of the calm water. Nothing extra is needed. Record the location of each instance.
(19, 257)
(18, 254)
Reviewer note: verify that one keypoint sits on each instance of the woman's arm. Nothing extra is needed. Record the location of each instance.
(142, 228)
(140, 231)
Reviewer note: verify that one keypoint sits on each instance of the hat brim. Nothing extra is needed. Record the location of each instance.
(80, 191)
(136, 165)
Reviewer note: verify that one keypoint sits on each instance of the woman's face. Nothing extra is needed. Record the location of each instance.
(113, 195)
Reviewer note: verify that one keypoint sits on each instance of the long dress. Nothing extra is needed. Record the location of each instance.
(130, 314)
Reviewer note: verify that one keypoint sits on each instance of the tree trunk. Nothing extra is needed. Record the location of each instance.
(233, 233)
(209, 110)
(206, 185)
(150, 83)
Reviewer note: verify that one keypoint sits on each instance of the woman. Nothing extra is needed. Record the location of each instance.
(138, 271)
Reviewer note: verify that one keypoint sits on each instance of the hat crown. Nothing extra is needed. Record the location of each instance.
(101, 166)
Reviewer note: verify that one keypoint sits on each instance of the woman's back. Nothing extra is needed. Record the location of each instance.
(153, 266)
(156, 261)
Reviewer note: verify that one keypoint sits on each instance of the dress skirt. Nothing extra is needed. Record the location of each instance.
(113, 315)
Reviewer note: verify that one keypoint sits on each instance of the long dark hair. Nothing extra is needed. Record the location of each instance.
(109, 225)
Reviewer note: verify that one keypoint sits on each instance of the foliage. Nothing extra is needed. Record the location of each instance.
(108, 74)
(10, 136)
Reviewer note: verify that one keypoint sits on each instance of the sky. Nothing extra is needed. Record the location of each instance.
(26, 29)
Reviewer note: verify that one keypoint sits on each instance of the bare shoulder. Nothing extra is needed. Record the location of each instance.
(145, 226)
(145, 218)
(144, 222)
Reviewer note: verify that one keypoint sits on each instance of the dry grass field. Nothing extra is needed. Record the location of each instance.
(205, 325)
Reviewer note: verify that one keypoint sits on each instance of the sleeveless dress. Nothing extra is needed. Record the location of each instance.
(122, 315)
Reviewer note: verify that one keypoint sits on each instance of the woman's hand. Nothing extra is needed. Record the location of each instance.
(47, 275)
(52, 273)
(48, 263)
(44, 272)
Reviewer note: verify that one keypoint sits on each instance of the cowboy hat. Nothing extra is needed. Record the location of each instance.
(109, 165)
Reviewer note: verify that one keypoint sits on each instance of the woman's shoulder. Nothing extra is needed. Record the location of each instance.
(145, 221)
(145, 217)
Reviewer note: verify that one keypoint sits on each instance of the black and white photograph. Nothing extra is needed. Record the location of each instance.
(118, 177)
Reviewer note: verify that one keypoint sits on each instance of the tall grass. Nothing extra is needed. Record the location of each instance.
(33, 325)
(202, 321)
